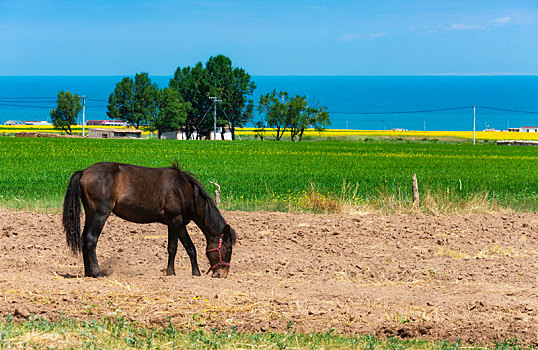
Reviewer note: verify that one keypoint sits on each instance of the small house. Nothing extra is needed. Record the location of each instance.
(114, 134)
(14, 122)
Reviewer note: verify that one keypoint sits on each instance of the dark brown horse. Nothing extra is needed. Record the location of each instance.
(143, 195)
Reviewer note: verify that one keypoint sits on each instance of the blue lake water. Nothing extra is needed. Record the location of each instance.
(349, 99)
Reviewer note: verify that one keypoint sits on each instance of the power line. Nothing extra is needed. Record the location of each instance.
(508, 110)
(28, 102)
(200, 123)
(23, 106)
(27, 98)
(407, 112)
(23, 101)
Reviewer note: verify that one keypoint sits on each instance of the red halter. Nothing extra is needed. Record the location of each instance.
(220, 263)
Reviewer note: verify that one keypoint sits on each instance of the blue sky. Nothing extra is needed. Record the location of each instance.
(276, 37)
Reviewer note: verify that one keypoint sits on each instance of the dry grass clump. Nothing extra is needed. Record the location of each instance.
(46, 339)
(315, 201)
(431, 202)
(442, 202)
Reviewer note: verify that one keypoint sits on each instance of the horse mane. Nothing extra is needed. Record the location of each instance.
(213, 218)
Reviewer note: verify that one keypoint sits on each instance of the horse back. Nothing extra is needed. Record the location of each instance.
(135, 193)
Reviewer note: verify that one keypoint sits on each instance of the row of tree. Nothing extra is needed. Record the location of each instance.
(185, 103)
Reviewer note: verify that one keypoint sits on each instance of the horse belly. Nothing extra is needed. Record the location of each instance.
(139, 196)
(138, 212)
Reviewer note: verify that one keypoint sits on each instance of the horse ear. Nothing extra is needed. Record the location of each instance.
(229, 233)
(226, 231)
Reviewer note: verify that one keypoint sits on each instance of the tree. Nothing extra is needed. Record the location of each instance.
(274, 106)
(193, 86)
(217, 79)
(294, 114)
(296, 107)
(172, 112)
(301, 116)
(260, 129)
(316, 117)
(232, 86)
(68, 107)
(134, 102)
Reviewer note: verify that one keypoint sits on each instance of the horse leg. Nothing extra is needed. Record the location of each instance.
(173, 233)
(189, 247)
(92, 229)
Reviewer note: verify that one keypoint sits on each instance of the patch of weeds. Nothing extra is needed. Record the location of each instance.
(403, 320)
(510, 344)
(445, 345)
(289, 325)
(393, 343)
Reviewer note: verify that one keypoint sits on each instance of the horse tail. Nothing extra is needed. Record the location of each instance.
(71, 214)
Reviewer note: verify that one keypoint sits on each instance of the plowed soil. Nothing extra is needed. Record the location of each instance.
(469, 277)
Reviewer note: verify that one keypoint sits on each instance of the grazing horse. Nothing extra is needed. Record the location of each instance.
(143, 195)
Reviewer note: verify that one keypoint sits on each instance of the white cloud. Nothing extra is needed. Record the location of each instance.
(462, 26)
(354, 36)
(500, 21)
(349, 37)
(376, 35)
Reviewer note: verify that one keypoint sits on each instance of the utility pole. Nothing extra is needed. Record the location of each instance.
(215, 101)
(474, 124)
(83, 114)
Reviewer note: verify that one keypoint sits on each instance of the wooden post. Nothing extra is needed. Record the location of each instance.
(217, 193)
(416, 200)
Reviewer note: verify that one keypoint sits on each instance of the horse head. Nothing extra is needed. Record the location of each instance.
(220, 256)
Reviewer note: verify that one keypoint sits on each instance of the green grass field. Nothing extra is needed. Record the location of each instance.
(119, 333)
(34, 172)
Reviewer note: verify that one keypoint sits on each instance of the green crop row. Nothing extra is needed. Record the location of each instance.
(38, 169)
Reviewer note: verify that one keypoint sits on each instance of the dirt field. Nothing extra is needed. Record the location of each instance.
(471, 277)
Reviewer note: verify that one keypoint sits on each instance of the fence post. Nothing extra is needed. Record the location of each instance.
(416, 200)
(217, 193)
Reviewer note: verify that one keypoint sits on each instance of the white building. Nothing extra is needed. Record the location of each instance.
(180, 135)
(35, 122)
(524, 129)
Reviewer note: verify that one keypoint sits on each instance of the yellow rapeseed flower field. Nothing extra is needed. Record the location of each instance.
(481, 135)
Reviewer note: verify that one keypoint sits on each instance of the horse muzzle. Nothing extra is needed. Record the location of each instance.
(221, 272)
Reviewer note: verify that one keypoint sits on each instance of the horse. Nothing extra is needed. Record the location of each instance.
(139, 194)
